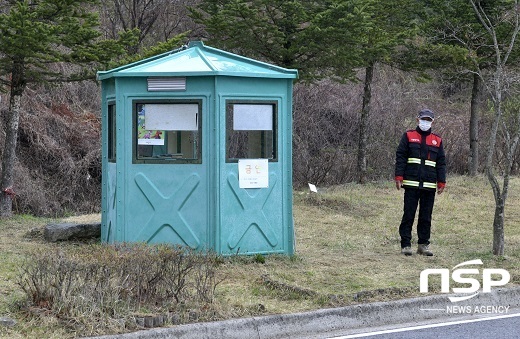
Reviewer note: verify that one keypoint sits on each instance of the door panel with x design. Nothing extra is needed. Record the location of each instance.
(251, 217)
(174, 213)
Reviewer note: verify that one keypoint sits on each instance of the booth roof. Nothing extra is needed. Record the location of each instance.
(196, 59)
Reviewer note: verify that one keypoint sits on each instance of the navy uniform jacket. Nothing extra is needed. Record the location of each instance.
(420, 161)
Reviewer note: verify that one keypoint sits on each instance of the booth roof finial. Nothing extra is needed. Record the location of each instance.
(196, 43)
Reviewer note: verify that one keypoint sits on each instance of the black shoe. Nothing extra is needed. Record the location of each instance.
(424, 250)
(406, 251)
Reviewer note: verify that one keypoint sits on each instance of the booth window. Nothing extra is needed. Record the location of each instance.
(251, 130)
(111, 133)
(167, 132)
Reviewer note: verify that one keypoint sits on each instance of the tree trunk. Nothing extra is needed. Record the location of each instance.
(473, 127)
(498, 222)
(501, 56)
(11, 136)
(498, 229)
(363, 125)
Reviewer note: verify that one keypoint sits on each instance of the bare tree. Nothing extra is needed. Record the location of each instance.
(156, 20)
(497, 85)
(128, 15)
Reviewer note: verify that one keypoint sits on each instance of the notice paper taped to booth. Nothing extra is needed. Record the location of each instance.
(253, 173)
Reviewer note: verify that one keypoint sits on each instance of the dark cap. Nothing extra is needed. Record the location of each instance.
(426, 113)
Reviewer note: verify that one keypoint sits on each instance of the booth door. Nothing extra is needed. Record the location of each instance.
(168, 186)
(250, 179)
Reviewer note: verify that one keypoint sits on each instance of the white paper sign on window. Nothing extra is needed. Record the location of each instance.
(253, 173)
(172, 117)
(252, 117)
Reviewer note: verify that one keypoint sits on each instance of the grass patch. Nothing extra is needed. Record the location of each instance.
(347, 252)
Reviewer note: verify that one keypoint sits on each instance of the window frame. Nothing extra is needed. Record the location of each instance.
(229, 126)
(111, 132)
(136, 160)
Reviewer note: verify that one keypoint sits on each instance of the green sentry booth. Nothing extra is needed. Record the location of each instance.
(197, 148)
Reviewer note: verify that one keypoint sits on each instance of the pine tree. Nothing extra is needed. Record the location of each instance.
(34, 36)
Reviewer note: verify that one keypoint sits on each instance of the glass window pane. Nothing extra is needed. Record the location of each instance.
(168, 131)
(251, 131)
(111, 133)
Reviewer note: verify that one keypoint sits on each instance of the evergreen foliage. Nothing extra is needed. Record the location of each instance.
(285, 33)
(34, 37)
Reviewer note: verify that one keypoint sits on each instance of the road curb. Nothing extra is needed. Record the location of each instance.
(302, 324)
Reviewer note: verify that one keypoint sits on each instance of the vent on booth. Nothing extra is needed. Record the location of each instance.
(166, 84)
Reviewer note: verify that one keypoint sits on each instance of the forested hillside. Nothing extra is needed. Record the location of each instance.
(363, 79)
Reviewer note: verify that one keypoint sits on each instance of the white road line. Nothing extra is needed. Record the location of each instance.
(397, 330)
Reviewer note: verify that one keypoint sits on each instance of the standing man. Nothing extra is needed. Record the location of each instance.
(420, 168)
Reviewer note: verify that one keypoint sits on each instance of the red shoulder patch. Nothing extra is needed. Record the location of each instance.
(413, 136)
(433, 140)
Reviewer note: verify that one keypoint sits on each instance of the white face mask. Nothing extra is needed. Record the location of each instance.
(425, 125)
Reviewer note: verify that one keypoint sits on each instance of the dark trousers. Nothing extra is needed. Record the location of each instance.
(425, 200)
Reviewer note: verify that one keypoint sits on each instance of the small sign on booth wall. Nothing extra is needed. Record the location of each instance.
(253, 173)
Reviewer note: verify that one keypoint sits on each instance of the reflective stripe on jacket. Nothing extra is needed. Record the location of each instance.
(420, 160)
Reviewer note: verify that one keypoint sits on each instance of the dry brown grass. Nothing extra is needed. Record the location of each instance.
(87, 218)
(347, 242)
(347, 252)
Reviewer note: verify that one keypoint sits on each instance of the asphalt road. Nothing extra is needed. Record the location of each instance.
(505, 326)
